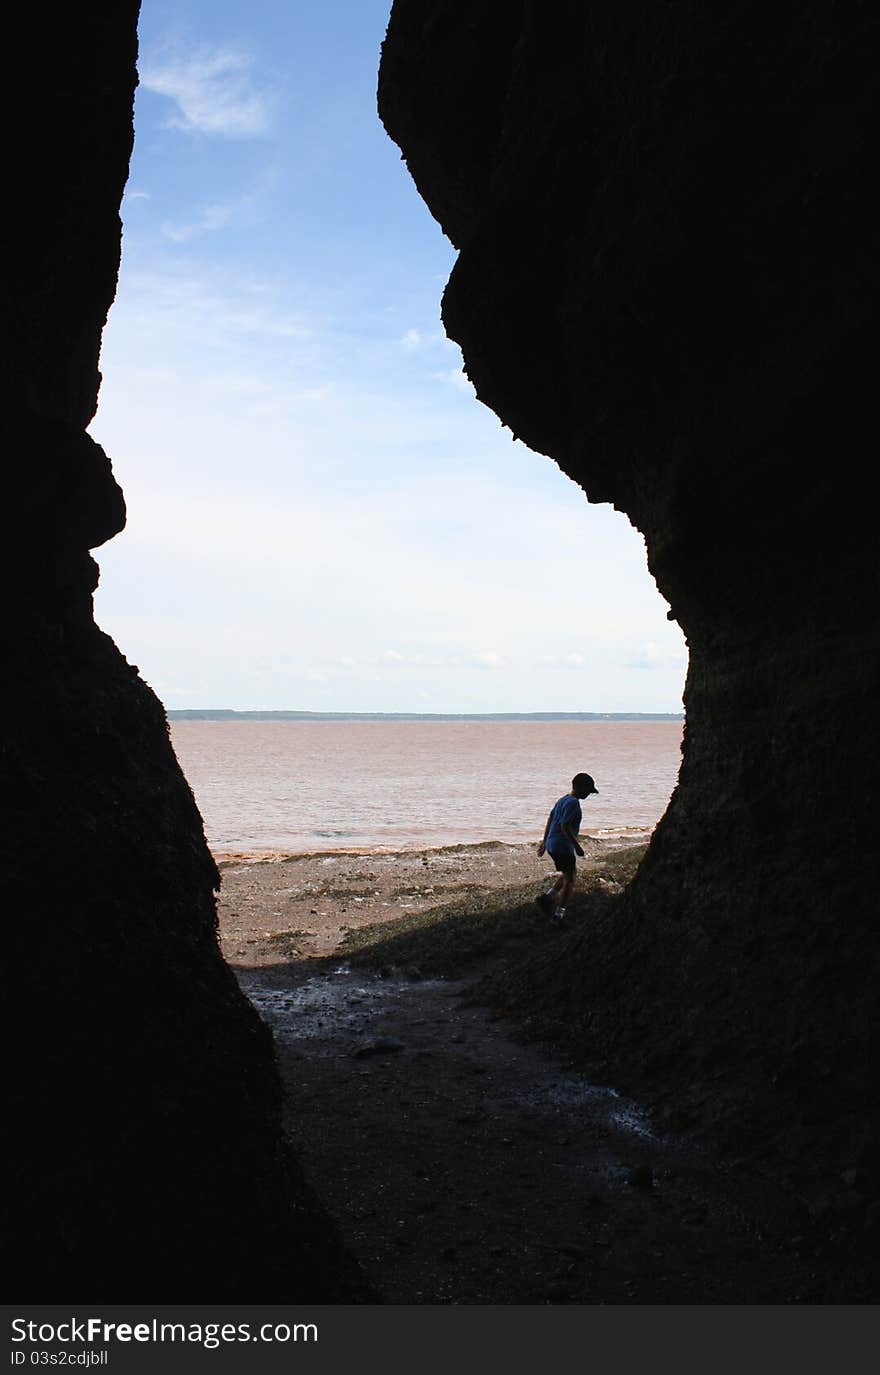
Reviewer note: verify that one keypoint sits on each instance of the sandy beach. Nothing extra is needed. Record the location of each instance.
(300, 907)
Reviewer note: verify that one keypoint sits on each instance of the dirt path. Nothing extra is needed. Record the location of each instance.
(463, 1167)
(460, 1165)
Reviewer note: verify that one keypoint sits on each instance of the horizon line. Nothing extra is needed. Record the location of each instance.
(225, 713)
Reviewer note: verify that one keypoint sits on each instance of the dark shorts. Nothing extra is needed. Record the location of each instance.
(563, 859)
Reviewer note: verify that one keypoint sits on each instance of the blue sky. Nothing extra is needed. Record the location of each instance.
(321, 514)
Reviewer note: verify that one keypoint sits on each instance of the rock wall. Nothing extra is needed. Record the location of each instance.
(148, 1158)
(665, 282)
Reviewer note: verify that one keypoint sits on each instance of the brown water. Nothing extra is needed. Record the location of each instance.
(306, 786)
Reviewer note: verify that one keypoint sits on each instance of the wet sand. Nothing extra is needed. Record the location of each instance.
(300, 907)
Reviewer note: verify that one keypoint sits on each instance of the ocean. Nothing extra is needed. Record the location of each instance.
(305, 787)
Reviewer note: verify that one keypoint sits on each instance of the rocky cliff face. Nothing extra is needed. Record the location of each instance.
(665, 282)
(142, 1096)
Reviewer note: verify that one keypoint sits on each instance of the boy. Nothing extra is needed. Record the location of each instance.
(561, 844)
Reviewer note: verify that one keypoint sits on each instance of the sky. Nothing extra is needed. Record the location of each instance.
(321, 515)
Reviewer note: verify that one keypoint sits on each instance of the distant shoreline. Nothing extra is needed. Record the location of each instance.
(223, 714)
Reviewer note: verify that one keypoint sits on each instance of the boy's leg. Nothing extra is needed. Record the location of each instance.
(549, 901)
(565, 890)
(556, 898)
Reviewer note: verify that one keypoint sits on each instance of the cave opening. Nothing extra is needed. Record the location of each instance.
(731, 983)
(320, 518)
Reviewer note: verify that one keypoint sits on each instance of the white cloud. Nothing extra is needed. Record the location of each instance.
(652, 656)
(175, 309)
(212, 218)
(573, 660)
(307, 514)
(212, 91)
(416, 339)
(457, 378)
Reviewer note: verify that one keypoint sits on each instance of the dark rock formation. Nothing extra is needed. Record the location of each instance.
(666, 283)
(142, 1093)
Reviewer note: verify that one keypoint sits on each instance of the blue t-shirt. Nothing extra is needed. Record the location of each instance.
(567, 812)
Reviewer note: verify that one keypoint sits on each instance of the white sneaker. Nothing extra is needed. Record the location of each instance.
(559, 914)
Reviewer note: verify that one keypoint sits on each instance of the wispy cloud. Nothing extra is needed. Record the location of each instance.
(428, 339)
(433, 346)
(573, 660)
(212, 218)
(652, 656)
(457, 378)
(487, 658)
(481, 658)
(213, 93)
(200, 308)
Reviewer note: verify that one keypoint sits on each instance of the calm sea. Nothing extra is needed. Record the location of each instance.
(300, 787)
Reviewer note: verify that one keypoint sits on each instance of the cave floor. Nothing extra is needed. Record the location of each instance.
(462, 1166)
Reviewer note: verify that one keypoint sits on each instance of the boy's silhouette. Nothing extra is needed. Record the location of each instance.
(560, 841)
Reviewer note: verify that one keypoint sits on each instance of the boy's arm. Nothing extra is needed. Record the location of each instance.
(572, 836)
(542, 844)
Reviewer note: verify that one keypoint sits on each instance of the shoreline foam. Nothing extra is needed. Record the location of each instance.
(608, 838)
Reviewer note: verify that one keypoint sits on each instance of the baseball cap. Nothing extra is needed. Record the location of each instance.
(583, 780)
